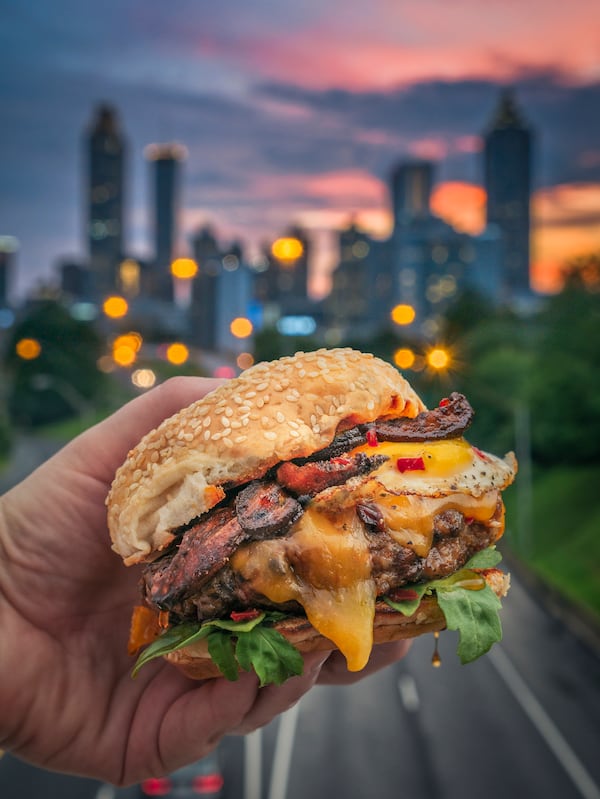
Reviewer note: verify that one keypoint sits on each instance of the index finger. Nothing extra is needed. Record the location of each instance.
(109, 441)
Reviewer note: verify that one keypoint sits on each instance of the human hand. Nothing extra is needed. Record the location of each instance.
(68, 700)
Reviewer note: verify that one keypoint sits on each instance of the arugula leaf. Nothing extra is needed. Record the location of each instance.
(252, 644)
(169, 641)
(269, 654)
(221, 647)
(475, 615)
(485, 559)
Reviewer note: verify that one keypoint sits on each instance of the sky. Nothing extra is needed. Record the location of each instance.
(295, 113)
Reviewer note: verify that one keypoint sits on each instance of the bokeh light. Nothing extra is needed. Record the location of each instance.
(403, 314)
(28, 348)
(115, 307)
(184, 268)
(241, 327)
(404, 358)
(143, 378)
(287, 249)
(177, 353)
(438, 358)
(245, 360)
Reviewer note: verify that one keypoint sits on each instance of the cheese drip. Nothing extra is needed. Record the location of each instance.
(324, 564)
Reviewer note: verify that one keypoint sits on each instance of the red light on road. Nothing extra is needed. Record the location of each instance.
(208, 783)
(156, 786)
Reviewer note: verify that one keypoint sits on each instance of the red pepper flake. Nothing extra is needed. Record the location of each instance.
(469, 519)
(403, 595)
(341, 461)
(372, 439)
(410, 465)
(444, 402)
(244, 615)
(484, 456)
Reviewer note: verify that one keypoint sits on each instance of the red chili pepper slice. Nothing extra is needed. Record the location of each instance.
(410, 465)
(483, 455)
(372, 439)
(244, 615)
(444, 402)
(341, 461)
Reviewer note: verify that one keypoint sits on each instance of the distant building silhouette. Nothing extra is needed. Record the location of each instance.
(165, 161)
(410, 186)
(221, 291)
(105, 201)
(507, 179)
(8, 249)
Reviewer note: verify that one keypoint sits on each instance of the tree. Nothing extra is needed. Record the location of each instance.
(62, 380)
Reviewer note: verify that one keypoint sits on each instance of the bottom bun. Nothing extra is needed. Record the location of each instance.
(389, 625)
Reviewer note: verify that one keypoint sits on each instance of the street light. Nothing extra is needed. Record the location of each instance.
(287, 249)
(177, 353)
(403, 314)
(241, 327)
(438, 358)
(184, 268)
(115, 307)
(28, 349)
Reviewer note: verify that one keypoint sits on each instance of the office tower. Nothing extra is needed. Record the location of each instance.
(349, 305)
(507, 177)
(204, 300)
(8, 249)
(411, 184)
(105, 178)
(165, 160)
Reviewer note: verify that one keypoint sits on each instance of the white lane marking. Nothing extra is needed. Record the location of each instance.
(283, 753)
(554, 739)
(253, 765)
(408, 692)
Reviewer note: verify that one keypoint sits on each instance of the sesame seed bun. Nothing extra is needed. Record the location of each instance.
(272, 412)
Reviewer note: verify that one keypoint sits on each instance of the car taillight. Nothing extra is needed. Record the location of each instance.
(208, 783)
(156, 786)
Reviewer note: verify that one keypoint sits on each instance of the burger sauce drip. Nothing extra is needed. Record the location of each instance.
(324, 564)
(436, 660)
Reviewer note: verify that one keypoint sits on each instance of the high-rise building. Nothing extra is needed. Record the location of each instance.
(507, 178)
(411, 184)
(204, 299)
(8, 248)
(165, 160)
(105, 178)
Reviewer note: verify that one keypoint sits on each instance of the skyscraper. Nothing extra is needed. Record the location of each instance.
(507, 178)
(105, 177)
(8, 249)
(165, 159)
(411, 184)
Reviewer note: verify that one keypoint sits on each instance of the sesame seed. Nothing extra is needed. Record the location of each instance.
(294, 433)
(280, 417)
(269, 434)
(240, 439)
(225, 421)
(262, 386)
(207, 421)
(228, 442)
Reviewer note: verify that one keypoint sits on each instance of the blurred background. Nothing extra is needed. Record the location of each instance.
(190, 188)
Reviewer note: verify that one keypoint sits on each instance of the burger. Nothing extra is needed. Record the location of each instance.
(312, 503)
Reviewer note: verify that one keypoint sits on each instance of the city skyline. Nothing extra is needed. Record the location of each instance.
(296, 115)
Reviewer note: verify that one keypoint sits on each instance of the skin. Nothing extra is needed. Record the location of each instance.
(68, 700)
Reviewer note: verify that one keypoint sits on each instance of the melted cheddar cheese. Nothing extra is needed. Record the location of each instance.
(325, 566)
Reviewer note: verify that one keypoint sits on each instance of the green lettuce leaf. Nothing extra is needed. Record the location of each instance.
(251, 645)
(474, 613)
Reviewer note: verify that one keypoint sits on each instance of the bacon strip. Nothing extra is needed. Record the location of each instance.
(449, 420)
(311, 478)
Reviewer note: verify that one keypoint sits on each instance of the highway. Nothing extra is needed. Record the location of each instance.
(523, 721)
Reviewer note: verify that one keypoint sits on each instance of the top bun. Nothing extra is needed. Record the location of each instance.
(272, 412)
